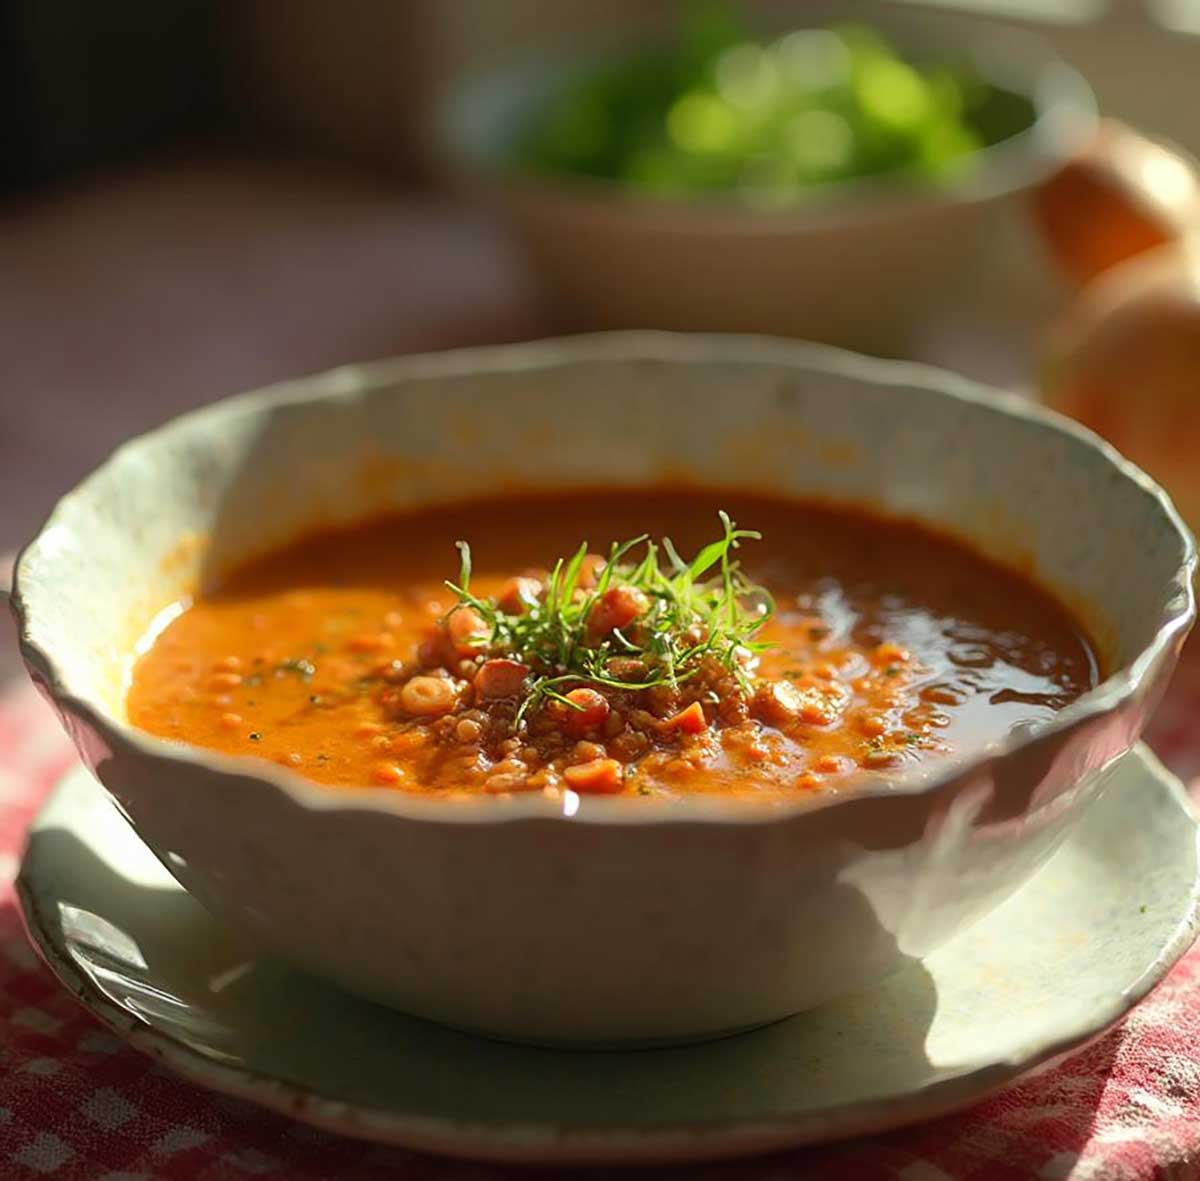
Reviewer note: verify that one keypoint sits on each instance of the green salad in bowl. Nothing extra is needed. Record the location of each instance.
(853, 181)
(767, 119)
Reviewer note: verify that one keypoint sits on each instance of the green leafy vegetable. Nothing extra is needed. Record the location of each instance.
(705, 609)
(769, 119)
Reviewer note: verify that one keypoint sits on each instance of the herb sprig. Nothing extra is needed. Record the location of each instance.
(703, 609)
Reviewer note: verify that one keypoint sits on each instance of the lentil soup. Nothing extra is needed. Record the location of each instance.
(786, 653)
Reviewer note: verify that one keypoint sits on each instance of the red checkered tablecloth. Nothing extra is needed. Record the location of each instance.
(78, 1105)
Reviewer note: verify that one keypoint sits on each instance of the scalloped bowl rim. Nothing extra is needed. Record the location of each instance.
(351, 381)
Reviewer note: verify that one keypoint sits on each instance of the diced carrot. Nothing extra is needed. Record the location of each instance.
(618, 607)
(467, 631)
(500, 678)
(688, 721)
(599, 777)
(591, 709)
(518, 594)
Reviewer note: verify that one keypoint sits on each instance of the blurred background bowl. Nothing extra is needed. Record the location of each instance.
(863, 263)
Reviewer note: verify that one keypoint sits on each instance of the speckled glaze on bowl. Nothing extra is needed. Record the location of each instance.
(612, 923)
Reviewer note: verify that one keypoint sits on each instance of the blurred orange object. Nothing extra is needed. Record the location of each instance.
(1125, 361)
(1122, 196)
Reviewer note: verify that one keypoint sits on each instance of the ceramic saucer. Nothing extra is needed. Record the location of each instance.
(1053, 967)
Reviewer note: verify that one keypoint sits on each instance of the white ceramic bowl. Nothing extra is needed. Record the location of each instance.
(615, 923)
(863, 265)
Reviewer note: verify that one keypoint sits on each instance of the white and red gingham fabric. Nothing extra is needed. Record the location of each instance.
(78, 1105)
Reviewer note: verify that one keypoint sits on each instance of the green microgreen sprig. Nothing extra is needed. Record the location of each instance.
(705, 609)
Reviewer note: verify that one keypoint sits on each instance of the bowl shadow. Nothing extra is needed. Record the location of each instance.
(145, 948)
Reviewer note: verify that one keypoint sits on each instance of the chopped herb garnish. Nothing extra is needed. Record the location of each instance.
(705, 609)
(891, 671)
(252, 680)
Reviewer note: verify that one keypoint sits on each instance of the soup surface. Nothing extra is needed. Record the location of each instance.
(836, 645)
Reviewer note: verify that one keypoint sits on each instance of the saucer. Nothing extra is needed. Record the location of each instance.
(1058, 963)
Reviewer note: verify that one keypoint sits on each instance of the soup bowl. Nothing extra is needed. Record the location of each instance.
(591, 920)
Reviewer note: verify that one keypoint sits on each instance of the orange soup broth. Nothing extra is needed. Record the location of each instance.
(904, 646)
